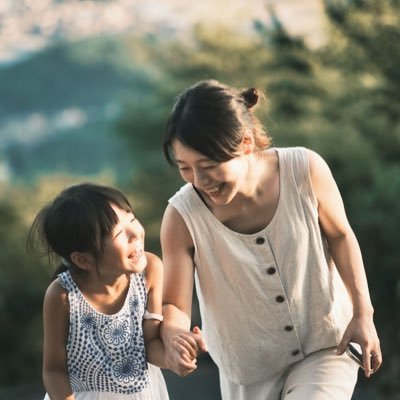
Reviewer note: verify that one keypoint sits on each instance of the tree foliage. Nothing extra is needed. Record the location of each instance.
(21, 289)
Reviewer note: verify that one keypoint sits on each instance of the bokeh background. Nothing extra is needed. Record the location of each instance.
(85, 90)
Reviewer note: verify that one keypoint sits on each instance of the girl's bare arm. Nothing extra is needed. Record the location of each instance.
(56, 325)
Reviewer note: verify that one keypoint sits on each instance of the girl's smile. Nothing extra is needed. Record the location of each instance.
(136, 254)
(124, 249)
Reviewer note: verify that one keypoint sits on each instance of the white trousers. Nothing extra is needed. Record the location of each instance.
(320, 376)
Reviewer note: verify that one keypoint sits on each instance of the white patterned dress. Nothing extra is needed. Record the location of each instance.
(106, 356)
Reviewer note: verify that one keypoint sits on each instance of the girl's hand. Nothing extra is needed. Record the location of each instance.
(183, 350)
(361, 330)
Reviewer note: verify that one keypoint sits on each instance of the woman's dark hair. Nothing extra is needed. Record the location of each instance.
(78, 219)
(212, 119)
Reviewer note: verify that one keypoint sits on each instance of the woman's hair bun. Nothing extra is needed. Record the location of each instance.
(250, 97)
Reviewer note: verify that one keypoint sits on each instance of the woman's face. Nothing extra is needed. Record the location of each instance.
(124, 248)
(219, 181)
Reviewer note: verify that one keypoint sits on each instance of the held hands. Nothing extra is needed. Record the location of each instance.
(183, 350)
(361, 330)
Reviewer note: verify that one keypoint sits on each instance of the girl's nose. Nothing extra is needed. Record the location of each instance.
(135, 231)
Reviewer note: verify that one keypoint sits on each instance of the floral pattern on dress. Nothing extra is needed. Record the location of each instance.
(134, 303)
(117, 332)
(106, 353)
(127, 369)
(88, 320)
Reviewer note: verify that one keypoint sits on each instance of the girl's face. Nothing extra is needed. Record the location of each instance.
(124, 248)
(219, 181)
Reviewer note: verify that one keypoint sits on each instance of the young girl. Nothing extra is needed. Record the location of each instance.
(102, 312)
(279, 273)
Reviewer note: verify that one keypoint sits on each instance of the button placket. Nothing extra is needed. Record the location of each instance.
(277, 295)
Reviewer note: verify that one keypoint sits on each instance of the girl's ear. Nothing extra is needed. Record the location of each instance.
(248, 143)
(83, 260)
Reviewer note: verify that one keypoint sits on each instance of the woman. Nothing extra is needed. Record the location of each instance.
(279, 273)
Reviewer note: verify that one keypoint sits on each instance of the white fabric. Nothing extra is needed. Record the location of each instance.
(251, 333)
(157, 390)
(320, 376)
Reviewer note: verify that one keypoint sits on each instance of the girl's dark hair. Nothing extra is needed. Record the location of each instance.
(78, 219)
(212, 118)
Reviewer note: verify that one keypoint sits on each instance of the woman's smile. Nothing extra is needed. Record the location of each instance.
(214, 191)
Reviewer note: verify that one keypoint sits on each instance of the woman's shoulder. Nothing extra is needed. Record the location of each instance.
(297, 156)
(295, 150)
(288, 150)
(183, 196)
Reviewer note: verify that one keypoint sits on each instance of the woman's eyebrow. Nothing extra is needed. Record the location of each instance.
(200, 160)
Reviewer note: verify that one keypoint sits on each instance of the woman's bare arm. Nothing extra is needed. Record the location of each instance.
(346, 253)
(178, 251)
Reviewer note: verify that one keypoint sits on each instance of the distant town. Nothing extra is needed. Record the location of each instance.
(29, 25)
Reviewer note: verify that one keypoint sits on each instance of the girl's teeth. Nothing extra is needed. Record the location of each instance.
(137, 253)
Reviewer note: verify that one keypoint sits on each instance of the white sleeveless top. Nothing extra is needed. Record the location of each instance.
(270, 298)
(106, 354)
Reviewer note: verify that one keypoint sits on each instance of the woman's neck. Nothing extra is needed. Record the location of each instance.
(261, 168)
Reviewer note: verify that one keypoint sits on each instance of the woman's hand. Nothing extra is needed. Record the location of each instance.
(361, 330)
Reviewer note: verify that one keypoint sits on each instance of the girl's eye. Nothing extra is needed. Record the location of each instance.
(117, 234)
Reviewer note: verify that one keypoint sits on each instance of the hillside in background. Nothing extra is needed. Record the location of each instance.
(66, 73)
(58, 108)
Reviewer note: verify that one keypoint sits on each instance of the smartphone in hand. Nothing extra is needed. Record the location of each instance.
(353, 353)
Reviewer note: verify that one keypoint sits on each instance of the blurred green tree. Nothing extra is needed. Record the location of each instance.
(21, 289)
(363, 57)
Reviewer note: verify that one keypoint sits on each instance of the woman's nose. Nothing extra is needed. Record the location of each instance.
(200, 179)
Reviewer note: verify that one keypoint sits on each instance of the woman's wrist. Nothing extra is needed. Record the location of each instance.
(175, 322)
(363, 312)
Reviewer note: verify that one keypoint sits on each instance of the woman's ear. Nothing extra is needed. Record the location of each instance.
(83, 260)
(248, 143)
